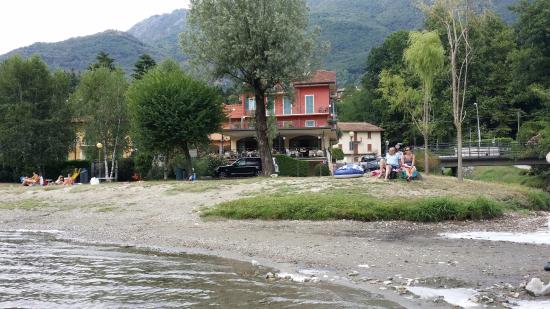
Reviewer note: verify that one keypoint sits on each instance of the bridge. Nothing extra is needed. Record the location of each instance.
(487, 154)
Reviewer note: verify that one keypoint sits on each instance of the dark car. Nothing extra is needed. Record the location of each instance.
(370, 162)
(241, 167)
(244, 167)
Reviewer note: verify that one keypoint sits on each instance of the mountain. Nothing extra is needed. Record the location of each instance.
(77, 53)
(162, 32)
(353, 27)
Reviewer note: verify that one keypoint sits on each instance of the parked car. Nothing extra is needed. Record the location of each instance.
(244, 167)
(370, 162)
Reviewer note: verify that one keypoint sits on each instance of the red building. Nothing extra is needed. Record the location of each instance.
(306, 126)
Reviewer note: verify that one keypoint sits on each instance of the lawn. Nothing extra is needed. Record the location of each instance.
(308, 206)
(507, 174)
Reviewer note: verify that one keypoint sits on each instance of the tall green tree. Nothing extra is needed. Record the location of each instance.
(369, 104)
(258, 43)
(424, 57)
(103, 60)
(35, 119)
(172, 111)
(100, 102)
(143, 65)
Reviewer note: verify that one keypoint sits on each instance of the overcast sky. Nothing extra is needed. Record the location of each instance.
(23, 22)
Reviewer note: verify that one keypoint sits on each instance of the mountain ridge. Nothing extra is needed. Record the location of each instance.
(353, 27)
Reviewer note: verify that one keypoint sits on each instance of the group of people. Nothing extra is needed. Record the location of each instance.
(36, 179)
(397, 160)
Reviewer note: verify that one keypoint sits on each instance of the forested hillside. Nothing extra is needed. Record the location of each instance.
(78, 53)
(353, 28)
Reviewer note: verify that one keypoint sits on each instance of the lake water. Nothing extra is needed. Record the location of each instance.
(39, 271)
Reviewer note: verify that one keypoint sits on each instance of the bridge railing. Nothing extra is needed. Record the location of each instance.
(496, 149)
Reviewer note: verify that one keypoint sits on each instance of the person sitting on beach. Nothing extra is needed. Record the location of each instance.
(390, 163)
(68, 181)
(408, 161)
(30, 181)
(60, 180)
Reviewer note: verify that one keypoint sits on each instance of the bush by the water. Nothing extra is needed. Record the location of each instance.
(291, 167)
(357, 207)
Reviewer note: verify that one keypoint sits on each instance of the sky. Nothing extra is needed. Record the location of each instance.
(23, 22)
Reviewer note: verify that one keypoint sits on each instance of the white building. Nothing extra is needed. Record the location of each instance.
(359, 139)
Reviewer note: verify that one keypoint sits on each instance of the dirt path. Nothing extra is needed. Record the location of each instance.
(376, 256)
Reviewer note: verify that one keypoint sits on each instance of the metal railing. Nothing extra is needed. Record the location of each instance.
(485, 150)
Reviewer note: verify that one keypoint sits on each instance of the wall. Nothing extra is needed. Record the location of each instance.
(362, 145)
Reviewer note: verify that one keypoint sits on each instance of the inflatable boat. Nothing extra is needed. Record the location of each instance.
(349, 171)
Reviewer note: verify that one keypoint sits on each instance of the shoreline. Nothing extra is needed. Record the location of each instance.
(154, 216)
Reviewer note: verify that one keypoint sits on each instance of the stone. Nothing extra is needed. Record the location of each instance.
(269, 275)
(537, 288)
(547, 266)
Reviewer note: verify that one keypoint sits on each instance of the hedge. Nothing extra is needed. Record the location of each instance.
(291, 167)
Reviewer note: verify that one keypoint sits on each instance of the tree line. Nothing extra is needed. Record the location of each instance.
(507, 77)
(160, 111)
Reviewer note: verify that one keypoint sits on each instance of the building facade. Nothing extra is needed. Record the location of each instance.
(358, 139)
(305, 122)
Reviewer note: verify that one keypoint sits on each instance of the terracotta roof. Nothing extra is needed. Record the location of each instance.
(320, 77)
(359, 127)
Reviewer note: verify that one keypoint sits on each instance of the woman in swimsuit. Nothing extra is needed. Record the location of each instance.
(408, 161)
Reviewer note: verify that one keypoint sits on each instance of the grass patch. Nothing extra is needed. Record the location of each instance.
(106, 209)
(356, 207)
(27, 204)
(508, 175)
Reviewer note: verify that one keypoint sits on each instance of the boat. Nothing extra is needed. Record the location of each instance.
(349, 171)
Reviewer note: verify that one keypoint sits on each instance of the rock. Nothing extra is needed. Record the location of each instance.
(547, 266)
(387, 282)
(269, 275)
(353, 273)
(537, 288)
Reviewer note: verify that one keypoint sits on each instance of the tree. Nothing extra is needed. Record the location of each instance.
(100, 101)
(454, 16)
(143, 65)
(103, 60)
(425, 57)
(35, 119)
(259, 43)
(172, 111)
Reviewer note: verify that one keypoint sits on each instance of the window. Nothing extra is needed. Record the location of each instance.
(368, 135)
(310, 123)
(240, 162)
(369, 147)
(287, 106)
(251, 104)
(310, 105)
(270, 108)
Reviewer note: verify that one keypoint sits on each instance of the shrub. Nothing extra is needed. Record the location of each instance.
(321, 170)
(206, 166)
(538, 200)
(143, 162)
(433, 160)
(125, 169)
(337, 154)
(291, 167)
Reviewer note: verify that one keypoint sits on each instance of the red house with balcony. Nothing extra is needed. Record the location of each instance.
(306, 121)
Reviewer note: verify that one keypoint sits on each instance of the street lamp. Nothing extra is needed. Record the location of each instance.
(478, 129)
(319, 142)
(99, 146)
(387, 145)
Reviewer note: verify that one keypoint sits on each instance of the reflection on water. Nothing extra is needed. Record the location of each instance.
(38, 271)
